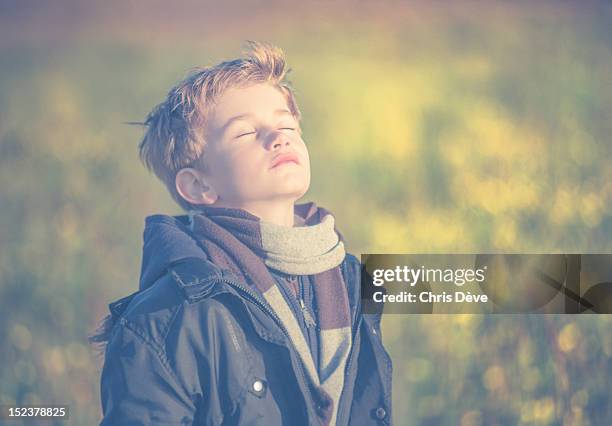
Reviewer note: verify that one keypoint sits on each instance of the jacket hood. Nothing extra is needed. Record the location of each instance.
(166, 240)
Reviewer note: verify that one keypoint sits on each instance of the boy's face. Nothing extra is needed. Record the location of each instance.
(249, 131)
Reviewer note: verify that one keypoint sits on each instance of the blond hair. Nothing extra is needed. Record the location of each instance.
(175, 138)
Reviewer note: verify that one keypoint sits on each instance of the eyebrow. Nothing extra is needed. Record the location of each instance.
(244, 116)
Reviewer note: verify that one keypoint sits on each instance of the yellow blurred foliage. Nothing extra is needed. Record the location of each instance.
(568, 337)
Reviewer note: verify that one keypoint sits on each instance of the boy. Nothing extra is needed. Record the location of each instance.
(248, 310)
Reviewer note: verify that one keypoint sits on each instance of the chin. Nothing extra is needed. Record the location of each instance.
(292, 191)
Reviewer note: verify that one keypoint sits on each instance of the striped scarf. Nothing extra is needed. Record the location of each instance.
(235, 239)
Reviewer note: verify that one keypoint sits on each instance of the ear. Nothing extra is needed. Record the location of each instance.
(193, 187)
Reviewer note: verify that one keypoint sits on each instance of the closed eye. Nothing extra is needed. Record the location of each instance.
(245, 134)
(287, 128)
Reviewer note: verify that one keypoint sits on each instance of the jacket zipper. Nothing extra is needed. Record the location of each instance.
(308, 319)
(273, 314)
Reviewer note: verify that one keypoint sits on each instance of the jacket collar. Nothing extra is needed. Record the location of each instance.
(166, 240)
(199, 279)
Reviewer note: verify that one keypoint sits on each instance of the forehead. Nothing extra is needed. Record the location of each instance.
(258, 99)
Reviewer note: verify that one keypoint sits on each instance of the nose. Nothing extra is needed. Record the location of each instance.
(276, 140)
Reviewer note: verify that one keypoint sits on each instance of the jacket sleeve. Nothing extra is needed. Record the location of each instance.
(138, 386)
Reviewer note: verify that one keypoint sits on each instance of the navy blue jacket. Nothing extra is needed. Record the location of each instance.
(196, 346)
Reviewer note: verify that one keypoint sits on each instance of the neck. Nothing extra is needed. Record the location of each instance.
(277, 212)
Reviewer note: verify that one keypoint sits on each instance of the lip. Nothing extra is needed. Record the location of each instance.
(285, 158)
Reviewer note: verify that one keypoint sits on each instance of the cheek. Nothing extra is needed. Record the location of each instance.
(229, 171)
(303, 149)
(242, 168)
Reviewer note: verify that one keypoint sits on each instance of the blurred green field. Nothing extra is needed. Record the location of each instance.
(432, 127)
